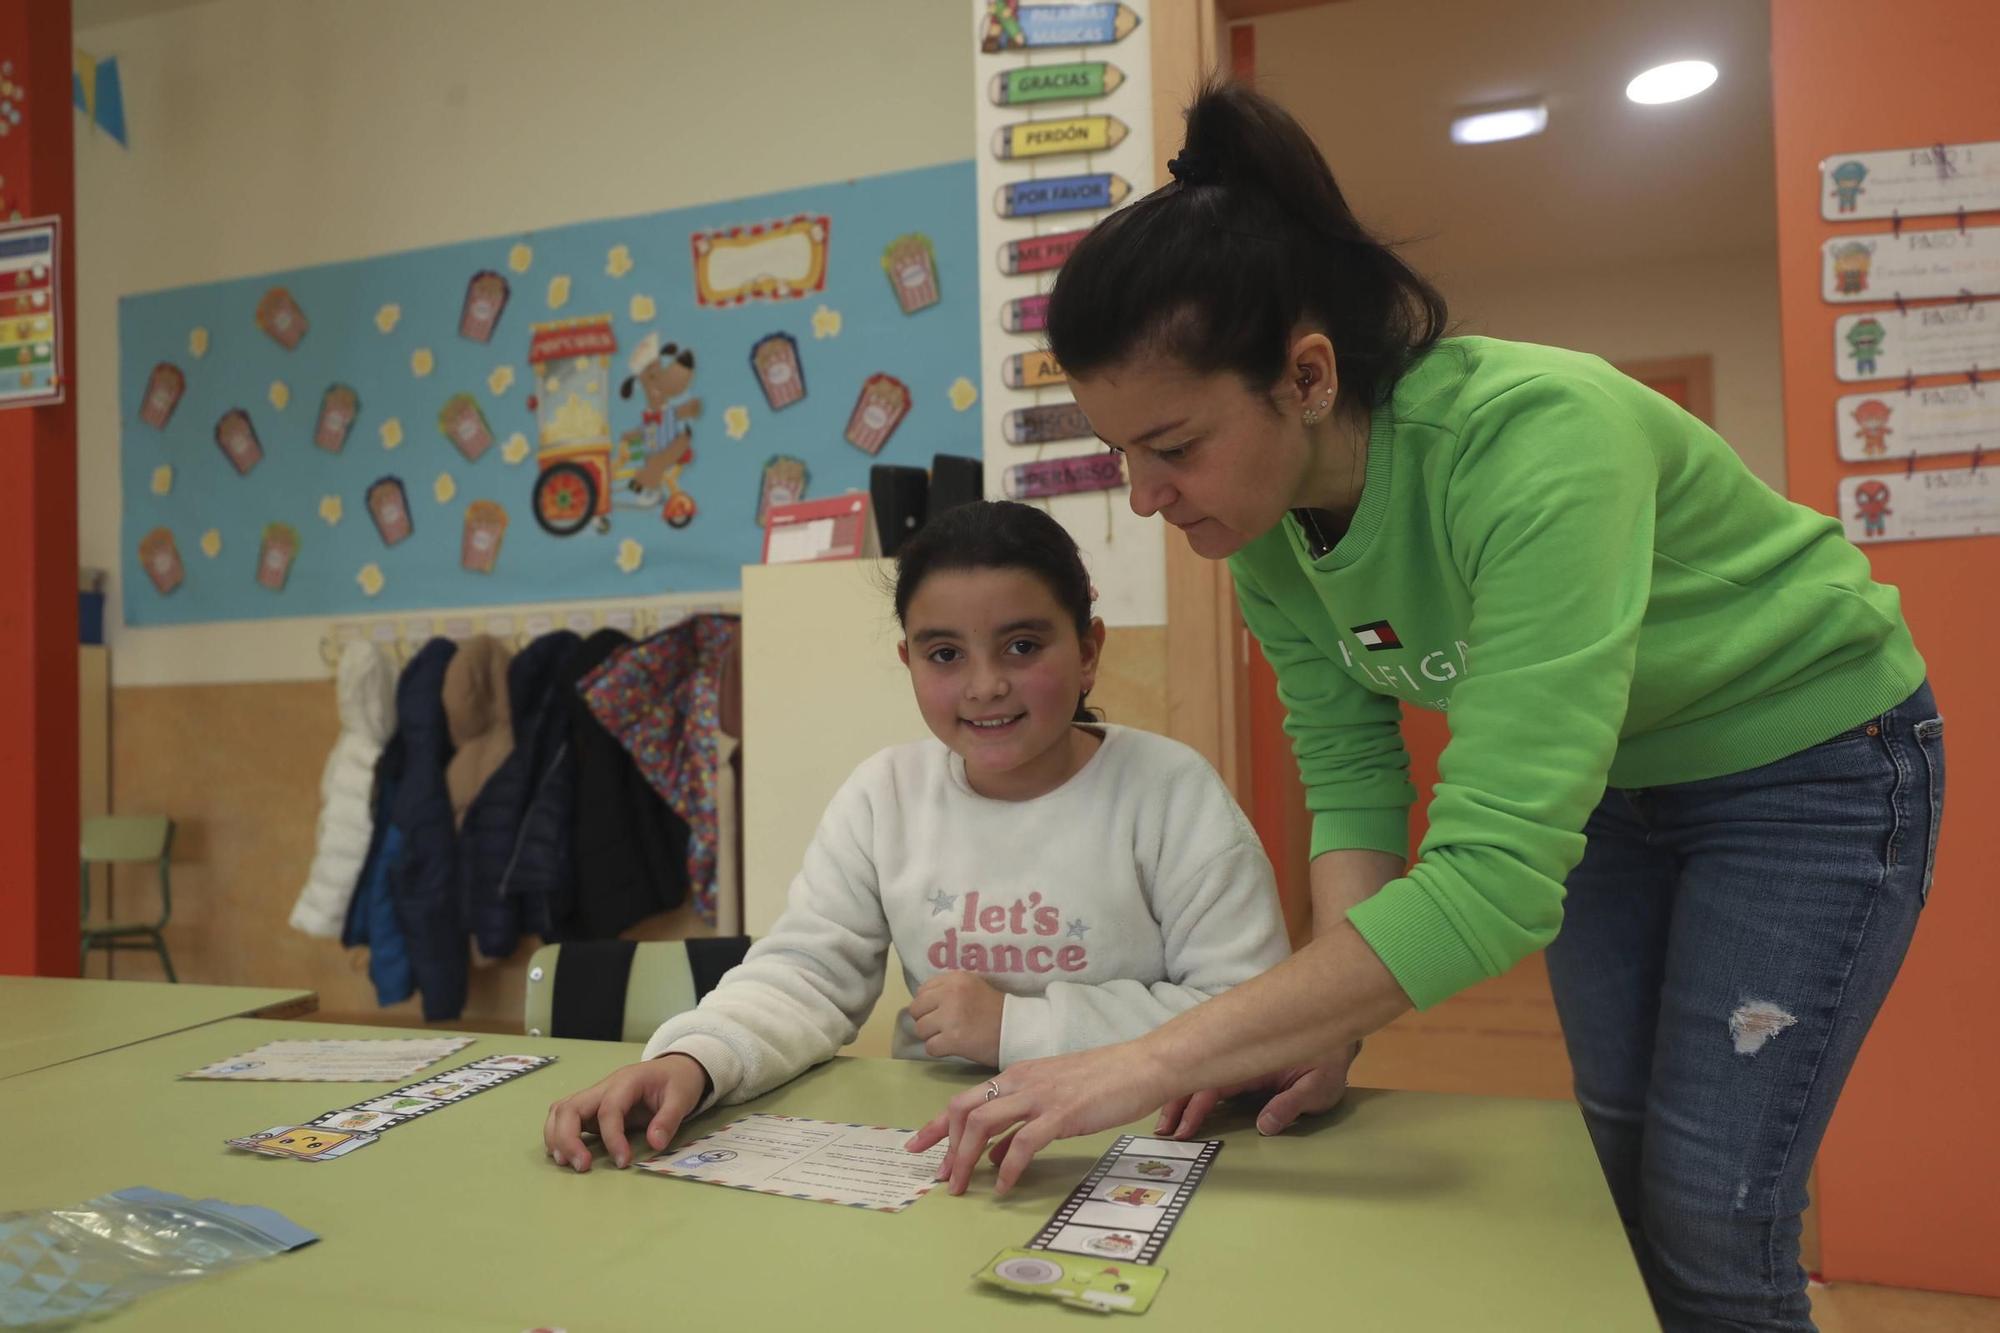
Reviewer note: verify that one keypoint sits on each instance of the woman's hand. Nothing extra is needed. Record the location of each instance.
(1042, 1101)
(1300, 1090)
(657, 1094)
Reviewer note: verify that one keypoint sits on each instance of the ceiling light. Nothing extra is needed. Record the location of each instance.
(1498, 123)
(1671, 82)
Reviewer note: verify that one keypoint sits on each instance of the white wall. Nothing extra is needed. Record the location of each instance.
(273, 133)
(1724, 307)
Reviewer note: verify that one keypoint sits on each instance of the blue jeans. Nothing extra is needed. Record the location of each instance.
(1725, 946)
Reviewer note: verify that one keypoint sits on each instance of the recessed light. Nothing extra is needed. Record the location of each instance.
(1672, 82)
(1496, 124)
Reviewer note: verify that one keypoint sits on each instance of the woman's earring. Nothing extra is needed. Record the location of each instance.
(1313, 414)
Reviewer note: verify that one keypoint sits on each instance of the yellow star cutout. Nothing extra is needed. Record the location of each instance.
(516, 448)
(963, 395)
(501, 380)
(630, 555)
(642, 309)
(826, 323)
(163, 479)
(520, 257)
(736, 421)
(386, 317)
(422, 362)
(281, 394)
(444, 488)
(211, 543)
(619, 262)
(392, 433)
(329, 509)
(559, 291)
(197, 341)
(370, 578)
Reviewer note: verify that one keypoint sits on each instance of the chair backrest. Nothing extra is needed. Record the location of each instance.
(620, 990)
(127, 837)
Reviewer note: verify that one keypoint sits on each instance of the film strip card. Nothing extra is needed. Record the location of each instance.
(1131, 1201)
(336, 1133)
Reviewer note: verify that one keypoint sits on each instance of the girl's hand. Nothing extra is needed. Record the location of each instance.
(1042, 1101)
(657, 1094)
(957, 1013)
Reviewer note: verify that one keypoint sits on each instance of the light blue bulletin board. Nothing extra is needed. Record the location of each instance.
(521, 472)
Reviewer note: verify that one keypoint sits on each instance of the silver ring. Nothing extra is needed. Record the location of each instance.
(992, 1089)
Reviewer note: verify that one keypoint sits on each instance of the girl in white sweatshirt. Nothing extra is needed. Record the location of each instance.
(1047, 883)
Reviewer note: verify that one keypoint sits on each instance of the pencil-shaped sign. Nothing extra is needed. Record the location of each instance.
(1061, 194)
(1031, 370)
(1054, 83)
(1010, 25)
(1047, 138)
(1029, 314)
(1039, 254)
(1046, 424)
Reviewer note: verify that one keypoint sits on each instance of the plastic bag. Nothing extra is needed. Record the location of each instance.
(60, 1265)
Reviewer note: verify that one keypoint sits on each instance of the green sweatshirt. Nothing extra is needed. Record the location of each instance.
(1597, 590)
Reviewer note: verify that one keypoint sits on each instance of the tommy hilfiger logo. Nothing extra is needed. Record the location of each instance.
(1377, 636)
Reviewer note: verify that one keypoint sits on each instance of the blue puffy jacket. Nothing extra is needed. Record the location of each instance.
(423, 881)
(514, 842)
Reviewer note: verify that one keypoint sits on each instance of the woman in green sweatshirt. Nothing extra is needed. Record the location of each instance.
(1692, 753)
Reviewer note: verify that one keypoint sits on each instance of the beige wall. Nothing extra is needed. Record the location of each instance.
(1724, 307)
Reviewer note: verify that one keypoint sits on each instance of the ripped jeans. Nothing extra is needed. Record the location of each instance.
(1724, 949)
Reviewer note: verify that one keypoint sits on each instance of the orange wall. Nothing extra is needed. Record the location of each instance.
(38, 662)
(1907, 1176)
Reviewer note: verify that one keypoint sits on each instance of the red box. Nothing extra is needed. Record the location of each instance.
(838, 527)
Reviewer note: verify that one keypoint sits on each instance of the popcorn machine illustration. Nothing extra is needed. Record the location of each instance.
(571, 400)
(581, 470)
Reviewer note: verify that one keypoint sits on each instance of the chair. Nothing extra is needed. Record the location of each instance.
(107, 841)
(620, 990)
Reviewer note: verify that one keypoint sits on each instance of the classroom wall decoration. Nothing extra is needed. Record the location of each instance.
(600, 410)
(1064, 131)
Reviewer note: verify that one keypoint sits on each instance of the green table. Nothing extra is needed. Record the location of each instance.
(1403, 1211)
(49, 1020)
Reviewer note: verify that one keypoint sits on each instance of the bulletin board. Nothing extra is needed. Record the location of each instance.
(598, 410)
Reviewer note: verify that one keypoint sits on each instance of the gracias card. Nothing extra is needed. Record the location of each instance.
(1090, 1284)
(308, 1143)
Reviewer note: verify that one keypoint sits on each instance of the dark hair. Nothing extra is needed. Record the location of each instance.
(999, 534)
(1220, 267)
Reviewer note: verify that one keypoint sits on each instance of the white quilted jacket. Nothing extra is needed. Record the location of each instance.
(366, 688)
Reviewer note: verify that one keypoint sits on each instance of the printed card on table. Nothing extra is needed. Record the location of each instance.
(334, 1060)
(860, 1166)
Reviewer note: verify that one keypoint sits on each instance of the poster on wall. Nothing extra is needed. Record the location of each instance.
(1064, 136)
(30, 313)
(1910, 182)
(1923, 420)
(602, 410)
(1912, 506)
(1922, 340)
(1911, 265)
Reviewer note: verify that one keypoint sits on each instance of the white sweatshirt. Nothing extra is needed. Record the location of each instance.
(1102, 909)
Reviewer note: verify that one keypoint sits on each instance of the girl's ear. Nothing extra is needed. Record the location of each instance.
(1090, 648)
(903, 651)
